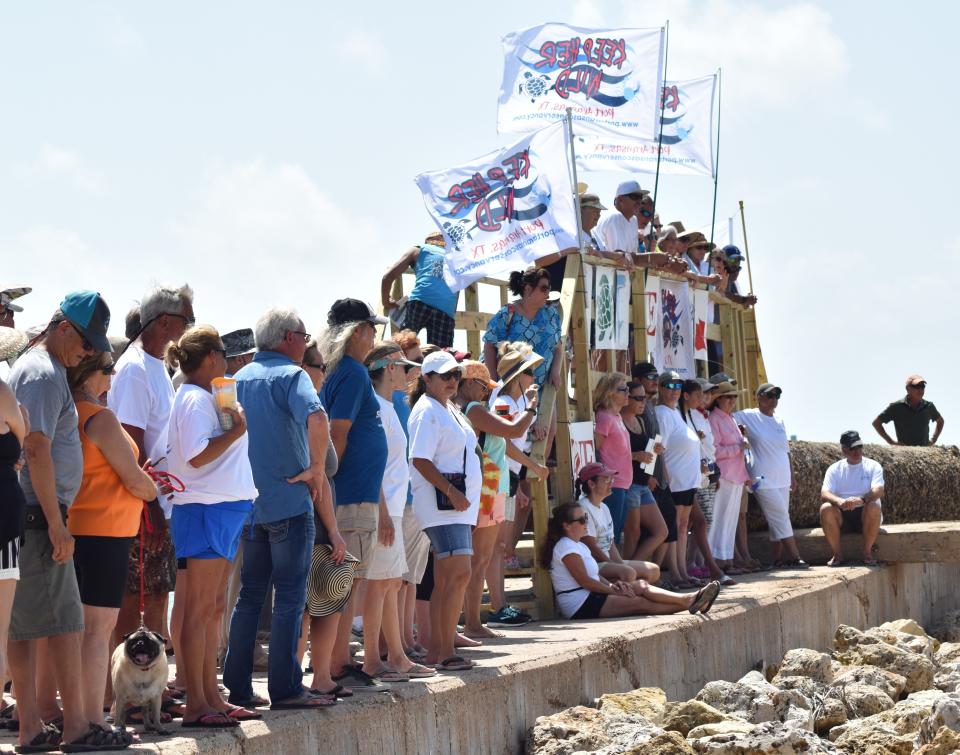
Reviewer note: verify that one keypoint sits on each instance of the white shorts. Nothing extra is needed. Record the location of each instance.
(417, 547)
(388, 562)
(775, 505)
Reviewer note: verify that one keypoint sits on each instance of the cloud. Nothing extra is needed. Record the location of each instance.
(366, 49)
(769, 55)
(53, 161)
(259, 234)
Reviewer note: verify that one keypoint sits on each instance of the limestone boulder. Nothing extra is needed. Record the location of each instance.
(920, 644)
(945, 742)
(630, 733)
(751, 702)
(907, 626)
(948, 652)
(802, 684)
(828, 713)
(648, 702)
(903, 718)
(874, 740)
(946, 712)
(729, 726)
(806, 662)
(863, 700)
(891, 683)
(682, 717)
(771, 738)
(917, 669)
(578, 729)
(947, 629)
(847, 637)
(947, 677)
(667, 743)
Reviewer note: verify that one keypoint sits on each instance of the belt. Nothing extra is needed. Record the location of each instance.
(34, 518)
(564, 592)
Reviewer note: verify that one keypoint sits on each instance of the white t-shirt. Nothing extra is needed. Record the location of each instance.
(613, 232)
(681, 455)
(570, 602)
(510, 409)
(438, 435)
(853, 480)
(599, 523)
(768, 441)
(396, 476)
(697, 422)
(193, 423)
(141, 395)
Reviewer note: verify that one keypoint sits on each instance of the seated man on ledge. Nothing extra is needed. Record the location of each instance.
(851, 493)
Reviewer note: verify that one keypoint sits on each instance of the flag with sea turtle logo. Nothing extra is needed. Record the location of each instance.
(610, 78)
(506, 209)
(675, 337)
(687, 147)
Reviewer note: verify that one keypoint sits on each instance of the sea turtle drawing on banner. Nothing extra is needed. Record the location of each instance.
(604, 304)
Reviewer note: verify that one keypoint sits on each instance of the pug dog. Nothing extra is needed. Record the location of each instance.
(139, 673)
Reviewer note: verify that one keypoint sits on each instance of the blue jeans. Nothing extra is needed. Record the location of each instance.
(280, 551)
(617, 503)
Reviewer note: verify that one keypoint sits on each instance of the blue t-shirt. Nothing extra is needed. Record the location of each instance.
(348, 394)
(401, 404)
(429, 286)
(542, 332)
(277, 397)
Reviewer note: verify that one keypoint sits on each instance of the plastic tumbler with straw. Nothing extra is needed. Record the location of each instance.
(225, 395)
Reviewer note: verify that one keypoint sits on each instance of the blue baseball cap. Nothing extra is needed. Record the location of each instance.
(732, 252)
(89, 314)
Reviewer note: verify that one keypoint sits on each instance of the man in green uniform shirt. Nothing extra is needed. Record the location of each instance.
(911, 417)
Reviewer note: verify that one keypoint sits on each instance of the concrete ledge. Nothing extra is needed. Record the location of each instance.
(546, 667)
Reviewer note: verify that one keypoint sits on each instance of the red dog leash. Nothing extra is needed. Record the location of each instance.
(175, 485)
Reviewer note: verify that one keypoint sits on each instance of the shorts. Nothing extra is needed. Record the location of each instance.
(683, 497)
(668, 511)
(617, 503)
(8, 560)
(417, 547)
(357, 523)
(639, 495)
(208, 530)
(705, 498)
(47, 601)
(510, 508)
(852, 521)
(439, 325)
(425, 585)
(591, 606)
(775, 505)
(389, 562)
(101, 566)
(450, 540)
(496, 515)
(159, 567)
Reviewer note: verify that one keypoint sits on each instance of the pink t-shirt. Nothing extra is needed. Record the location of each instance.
(616, 448)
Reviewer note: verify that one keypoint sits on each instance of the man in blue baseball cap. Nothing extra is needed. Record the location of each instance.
(733, 260)
(47, 602)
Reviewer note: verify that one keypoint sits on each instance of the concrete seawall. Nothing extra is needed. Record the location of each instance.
(549, 666)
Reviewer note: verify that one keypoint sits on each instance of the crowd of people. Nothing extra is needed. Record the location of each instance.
(361, 477)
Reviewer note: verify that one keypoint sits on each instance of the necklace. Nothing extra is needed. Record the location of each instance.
(84, 396)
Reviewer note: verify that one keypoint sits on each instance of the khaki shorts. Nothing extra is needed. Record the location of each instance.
(389, 562)
(357, 523)
(47, 601)
(417, 547)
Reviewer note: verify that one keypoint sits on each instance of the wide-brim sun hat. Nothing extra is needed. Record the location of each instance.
(724, 389)
(474, 370)
(330, 583)
(513, 364)
(12, 343)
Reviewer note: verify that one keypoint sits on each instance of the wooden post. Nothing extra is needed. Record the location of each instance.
(471, 302)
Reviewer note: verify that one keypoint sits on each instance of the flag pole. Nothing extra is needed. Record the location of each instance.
(666, 49)
(576, 193)
(746, 246)
(716, 157)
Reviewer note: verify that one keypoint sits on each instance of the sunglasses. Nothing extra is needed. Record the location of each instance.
(646, 213)
(921, 386)
(637, 197)
(306, 336)
(481, 383)
(772, 394)
(579, 520)
(448, 376)
(651, 376)
(110, 369)
(622, 389)
(188, 320)
(673, 386)
(641, 397)
(316, 365)
(87, 346)
(407, 367)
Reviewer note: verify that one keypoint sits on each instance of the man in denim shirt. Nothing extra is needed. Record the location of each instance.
(285, 425)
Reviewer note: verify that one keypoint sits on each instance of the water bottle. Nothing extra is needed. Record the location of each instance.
(756, 480)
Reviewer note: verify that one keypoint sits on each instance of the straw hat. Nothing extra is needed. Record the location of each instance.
(474, 370)
(513, 363)
(12, 343)
(329, 585)
(724, 389)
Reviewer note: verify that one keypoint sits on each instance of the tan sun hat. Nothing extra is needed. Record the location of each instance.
(329, 584)
(514, 363)
(724, 389)
(12, 343)
(474, 370)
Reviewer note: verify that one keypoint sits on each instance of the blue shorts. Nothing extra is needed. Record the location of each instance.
(639, 495)
(208, 530)
(451, 540)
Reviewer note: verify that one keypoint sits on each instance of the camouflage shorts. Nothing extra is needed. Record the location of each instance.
(159, 568)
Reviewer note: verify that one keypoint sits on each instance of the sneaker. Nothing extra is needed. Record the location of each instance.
(508, 617)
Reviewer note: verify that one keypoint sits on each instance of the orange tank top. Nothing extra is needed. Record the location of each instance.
(103, 506)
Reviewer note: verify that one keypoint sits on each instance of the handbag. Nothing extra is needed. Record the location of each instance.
(458, 480)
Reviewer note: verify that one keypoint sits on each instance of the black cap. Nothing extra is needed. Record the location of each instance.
(346, 311)
(238, 342)
(850, 439)
(644, 370)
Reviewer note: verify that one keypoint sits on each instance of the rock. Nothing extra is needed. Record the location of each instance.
(683, 717)
(926, 698)
(729, 726)
(948, 652)
(920, 644)
(903, 718)
(888, 681)
(667, 743)
(828, 713)
(806, 662)
(771, 738)
(648, 702)
(948, 628)
(947, 677)
(751, 702)
(847, 637)
(863, 700)
(946, 712)
(794, 708)
(578, 729)
(945, 742)
(802, 684)
(878, 740)
(915, 668)
(907, 626)
(630, 733)
(756, 679)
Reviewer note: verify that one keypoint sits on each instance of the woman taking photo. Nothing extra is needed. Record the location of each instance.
(730, 444)
(207, 517)
(582, 593)
(613, 443)
(104, 518)
(445, 476)
(642, 510)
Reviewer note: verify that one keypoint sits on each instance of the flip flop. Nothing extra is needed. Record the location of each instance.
(254, 702)
(419, 671)
(174, 707)
(211, 721)
(97, 739)
(338, 691)
(48, 740)
(870, 561)
(305, 702)
(455, 663)
(725, 581)
(238, 713)
(836, 563)
(386, 674)
(704, 598)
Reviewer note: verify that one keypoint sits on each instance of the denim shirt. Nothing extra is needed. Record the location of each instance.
(277, 397)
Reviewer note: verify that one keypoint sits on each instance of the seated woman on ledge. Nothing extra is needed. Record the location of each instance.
(582, 593)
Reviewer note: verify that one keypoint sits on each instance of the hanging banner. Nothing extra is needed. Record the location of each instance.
(503, 211)
(687, 136)
(610, 78)
(651, 292)
(621, 308)
(675, 345)
(604, 308)
(588, 271)
(701, 314)
(582, 450)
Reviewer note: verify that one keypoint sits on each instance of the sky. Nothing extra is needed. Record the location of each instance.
(265, 153)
